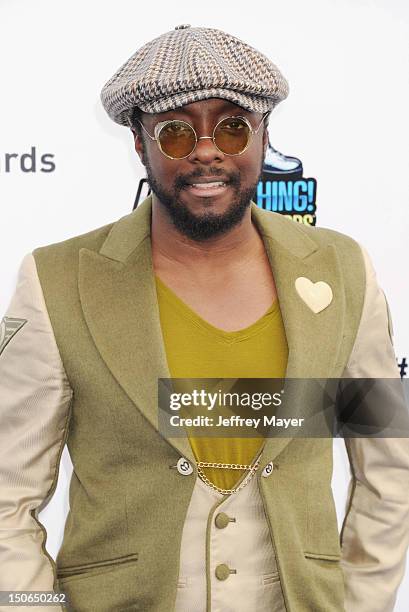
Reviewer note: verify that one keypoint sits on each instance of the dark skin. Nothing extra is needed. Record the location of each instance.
(226, 276)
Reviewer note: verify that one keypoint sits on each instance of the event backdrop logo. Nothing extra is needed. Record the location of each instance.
(403, 366)
(282, 188)
(27, 162)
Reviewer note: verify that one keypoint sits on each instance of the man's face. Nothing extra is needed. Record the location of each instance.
(202, 216)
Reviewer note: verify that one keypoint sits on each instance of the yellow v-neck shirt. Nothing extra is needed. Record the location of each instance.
(197, 349)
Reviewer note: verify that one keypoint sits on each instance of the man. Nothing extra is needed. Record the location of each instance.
(197, 282)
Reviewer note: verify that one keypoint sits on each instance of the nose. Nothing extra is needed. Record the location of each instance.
(205, 151)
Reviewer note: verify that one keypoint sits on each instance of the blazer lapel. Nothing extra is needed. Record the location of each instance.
(118, 298)
(314, 340)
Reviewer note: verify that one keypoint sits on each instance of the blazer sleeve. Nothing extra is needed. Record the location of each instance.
(375, 530)
(35, 409)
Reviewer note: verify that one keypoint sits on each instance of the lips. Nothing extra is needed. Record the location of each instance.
(208, 190)
(205, 181)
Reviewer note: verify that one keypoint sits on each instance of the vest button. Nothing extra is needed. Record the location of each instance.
(222, 520)
(222, 571)
(268, 470)
(184, 467)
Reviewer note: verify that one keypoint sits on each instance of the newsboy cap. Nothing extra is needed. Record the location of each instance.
(190, 64)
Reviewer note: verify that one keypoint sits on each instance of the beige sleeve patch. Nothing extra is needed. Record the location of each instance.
(34, 415)
(375, 531)
(9, 326)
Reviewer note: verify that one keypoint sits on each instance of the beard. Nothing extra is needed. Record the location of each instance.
(201, 227)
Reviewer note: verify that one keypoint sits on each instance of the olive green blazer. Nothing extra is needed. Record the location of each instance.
(89, 355)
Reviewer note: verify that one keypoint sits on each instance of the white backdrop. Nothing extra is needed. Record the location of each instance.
(346, 119)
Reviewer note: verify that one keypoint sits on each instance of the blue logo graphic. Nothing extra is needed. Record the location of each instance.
(283, 188)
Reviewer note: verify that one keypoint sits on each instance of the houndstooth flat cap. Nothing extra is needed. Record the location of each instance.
(190, 64)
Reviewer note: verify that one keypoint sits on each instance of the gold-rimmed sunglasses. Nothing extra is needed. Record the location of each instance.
(177, 139)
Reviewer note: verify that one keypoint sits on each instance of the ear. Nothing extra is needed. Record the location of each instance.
(139, 146)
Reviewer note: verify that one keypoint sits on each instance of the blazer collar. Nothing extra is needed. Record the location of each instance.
(118, 298)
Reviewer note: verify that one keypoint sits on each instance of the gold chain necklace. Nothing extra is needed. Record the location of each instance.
(233, 466)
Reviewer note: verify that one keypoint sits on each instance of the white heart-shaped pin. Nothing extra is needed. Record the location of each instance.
(317, 295)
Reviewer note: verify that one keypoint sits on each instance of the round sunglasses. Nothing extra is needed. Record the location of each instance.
(177, 139)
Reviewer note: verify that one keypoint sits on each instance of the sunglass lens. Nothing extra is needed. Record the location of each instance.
(177, 139)
(232, 135)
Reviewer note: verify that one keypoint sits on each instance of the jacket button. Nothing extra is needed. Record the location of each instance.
(184, 467)
(222, 520)
(223, 571)
(268, 470)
